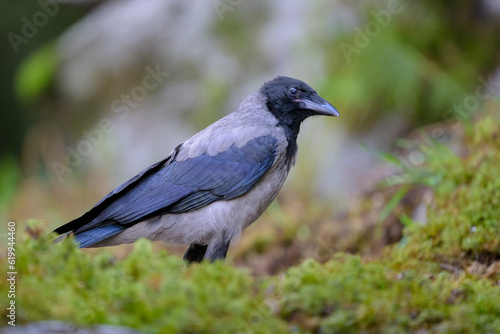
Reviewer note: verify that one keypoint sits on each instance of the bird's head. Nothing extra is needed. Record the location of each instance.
(292, 101)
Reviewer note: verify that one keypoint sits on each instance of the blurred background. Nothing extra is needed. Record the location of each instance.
(94, 91)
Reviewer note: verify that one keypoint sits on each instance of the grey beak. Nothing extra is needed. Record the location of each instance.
(321, 108)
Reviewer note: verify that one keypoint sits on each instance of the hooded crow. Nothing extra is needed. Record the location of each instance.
(215, 184)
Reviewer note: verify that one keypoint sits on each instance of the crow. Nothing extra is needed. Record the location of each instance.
(215, 184)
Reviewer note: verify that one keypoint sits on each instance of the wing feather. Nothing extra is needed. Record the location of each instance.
(172, 186)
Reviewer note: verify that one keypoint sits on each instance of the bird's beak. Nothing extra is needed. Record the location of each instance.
(319, 105)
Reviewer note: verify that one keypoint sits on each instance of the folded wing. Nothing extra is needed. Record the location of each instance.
(171, 186)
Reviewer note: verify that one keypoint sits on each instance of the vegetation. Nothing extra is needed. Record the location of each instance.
(442, 277)
(419, 253)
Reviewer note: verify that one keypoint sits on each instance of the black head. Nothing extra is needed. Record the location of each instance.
(292, 101)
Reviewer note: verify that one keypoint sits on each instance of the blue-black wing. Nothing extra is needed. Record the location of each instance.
(172, 186)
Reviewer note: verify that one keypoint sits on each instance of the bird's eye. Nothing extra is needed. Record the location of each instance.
(294, 91)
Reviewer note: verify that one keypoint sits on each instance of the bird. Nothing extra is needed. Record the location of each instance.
(212, 186)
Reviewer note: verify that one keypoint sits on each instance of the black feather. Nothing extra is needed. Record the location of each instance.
(172, 186)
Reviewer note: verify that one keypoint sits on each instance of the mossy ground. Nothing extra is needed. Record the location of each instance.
(442, 276)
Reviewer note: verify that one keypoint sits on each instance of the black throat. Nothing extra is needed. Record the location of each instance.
(291, 125)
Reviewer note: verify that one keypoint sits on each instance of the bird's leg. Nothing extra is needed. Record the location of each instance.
(195, 253)
(217, 250)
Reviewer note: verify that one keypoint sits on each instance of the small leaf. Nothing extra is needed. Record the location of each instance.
(406, 221)
(393, 202)
(383, 155)
(35, 73)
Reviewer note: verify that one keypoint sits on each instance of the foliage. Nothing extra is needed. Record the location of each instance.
(430, 283)
(466, 202)
(348, 296)
(9, 177)
(149, 291)
(35, 74)
(416, 60)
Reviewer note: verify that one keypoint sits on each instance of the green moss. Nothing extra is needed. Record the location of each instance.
(148, 291)
(463, 217)
(348, 296)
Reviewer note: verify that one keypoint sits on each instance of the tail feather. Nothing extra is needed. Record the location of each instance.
(90, 237)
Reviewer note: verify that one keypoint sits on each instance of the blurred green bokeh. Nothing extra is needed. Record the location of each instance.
(388, 66)
(392, 68)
